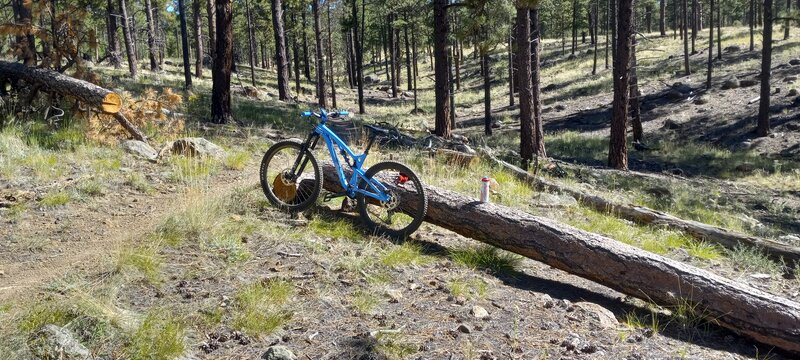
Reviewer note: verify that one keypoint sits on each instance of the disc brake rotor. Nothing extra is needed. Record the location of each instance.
(283, 187)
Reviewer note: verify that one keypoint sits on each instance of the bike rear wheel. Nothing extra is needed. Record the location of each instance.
(404, 212)
(290, 177)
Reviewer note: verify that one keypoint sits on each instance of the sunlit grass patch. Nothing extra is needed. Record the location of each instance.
(236, 160)
(260, 307)
(145, 260)
(751, 259)
(486, 257)
(335, 228)
(139, 183)
(395, 346)
(53, 199)
(186, 169)
(703, 250)
(228, 247)
(471, 288)
(44, 164)
(364, 301)
(159, 336)
(91, 188)
(406, 254)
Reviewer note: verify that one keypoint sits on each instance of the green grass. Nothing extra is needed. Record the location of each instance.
(145, 260)
(749, 259)
(486, 257)
(160, 336)
(188, 169)
(260, 307)
(236, 160)
(53, 199)
(139, 183)
(334, 228)
(364, 301)
(703, 250)
(228, 247)
(395, 346)
(404, 255)
(92, 188)
(472, 288)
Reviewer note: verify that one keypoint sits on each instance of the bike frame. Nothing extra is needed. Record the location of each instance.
(374, 189)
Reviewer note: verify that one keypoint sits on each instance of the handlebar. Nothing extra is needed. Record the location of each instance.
(325, 115)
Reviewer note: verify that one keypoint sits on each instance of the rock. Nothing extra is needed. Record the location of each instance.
(599, 315)
(701, 100)
(675, 95)
(790, 79)
(547, 200)
(730, 84)
(479, 312)
(794, 62)
(372, 78)
(194, 147)
(250, 91)
(672, 125)
(760, 276)
(394, 295)
(792, 92)
(732, 49)
(278, 352)
(748, 82)
(140, 149)
(548, 301)
(571, 342)
(54, 342)
(464, 329)
(408, 94)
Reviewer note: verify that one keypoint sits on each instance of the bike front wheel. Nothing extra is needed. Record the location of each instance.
(405, 210)
(290, 177)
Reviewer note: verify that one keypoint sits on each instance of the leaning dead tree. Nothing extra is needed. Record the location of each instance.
(104, 100)
(750, 312)
(647, 216)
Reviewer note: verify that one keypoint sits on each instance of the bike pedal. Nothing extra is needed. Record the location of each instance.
(330, 196)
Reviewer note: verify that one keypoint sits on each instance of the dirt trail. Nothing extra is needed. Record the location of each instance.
(85, 236)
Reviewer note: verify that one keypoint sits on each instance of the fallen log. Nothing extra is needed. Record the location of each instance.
(766, 318)
(643, 215)
(95, 96)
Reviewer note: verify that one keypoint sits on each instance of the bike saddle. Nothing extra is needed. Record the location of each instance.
(377, 130)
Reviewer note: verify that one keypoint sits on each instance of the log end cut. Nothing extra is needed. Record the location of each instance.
(112, 103)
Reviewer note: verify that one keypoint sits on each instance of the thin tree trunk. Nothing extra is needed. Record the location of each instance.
(574, 26)
(633, 101)
(595, 14)
(710, 44)
(613, 15)
(280, 50)
(487, 94)
(221, 112)
(409, 79)
(151, 35)
(128, 39)
(787, 21)
(608, 29)
(536, 47)
(694, 26)
(618, 145)
(719, 31)
(212, 31)
(187, 72)
(296, 58)
(392, 54)
(686, 38)
(441, 73)
(675, 13)
(511, 63)
(198, 39)
(525, 86)
(113, 45)
(250, 42)
(416, 67)
(662, 18)
(306, 63)
(330, 56)
(320, 67)
(766, 66)
(359, 49)
(752, 24)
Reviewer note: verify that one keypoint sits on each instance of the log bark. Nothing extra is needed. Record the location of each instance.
(647, 216)
(758, 315)
(53, 81)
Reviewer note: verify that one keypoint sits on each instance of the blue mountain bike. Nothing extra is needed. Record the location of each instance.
(390, 198)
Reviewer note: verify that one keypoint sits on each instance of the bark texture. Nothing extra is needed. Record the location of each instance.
(126, 30)
(221, 112)
(280, 50)
(618, 146)
(442, 73)
(766, 67)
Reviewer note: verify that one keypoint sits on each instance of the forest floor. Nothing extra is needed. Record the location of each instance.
(186, 258)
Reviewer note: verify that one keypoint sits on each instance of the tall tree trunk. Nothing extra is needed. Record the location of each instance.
(752, 19)
(392, 54)
(595, 13)
(187, 68)
(349, 59)
(221, 112)
(330, 56)
(113, 45)
(212, 31)
(613, 15)
(280, 49)
(320, 67)
(151, 35)
(456, 65)
(487, 93)
(710, 44)
(536, 47)
(511, 64)
(719, 31)
(306, 63)
(359, 49)
(574, 26)
(26, 41)
(694, 25)
(409, 80)
(766, 66)
(649, 18)
(251, 39)
(128, 39)
(416, 67)
(592, 21)
(198, 39)
(685, 28)
(662, 18)
(618, 145)
(675, 24)
(633, 101)
(296, 58)
(608, 29)
(787, 21)
(441, 72)
(525, 86)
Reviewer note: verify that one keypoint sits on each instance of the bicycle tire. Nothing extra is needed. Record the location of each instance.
(308, 197)
(417, 211)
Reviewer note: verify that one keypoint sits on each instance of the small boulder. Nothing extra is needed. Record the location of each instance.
(251, 91)
(730, 84)
(278, 352)
(603, 317)
(794, 62)
(547, 200)
(732, 49)
(748, 82)
(408, 94)
(372, 78)
(479, 312)
(464, 329)
(394, 295)
(54, 342)
(140, 149)
(195, 147)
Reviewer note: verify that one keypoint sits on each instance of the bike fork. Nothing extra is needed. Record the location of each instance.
(308, 145)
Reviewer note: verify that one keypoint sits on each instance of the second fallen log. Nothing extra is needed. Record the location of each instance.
(753, 313)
